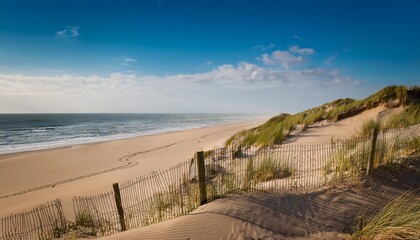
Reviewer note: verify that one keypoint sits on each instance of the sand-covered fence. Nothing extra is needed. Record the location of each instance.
(46, 221)
(169, 193)
(158, 196)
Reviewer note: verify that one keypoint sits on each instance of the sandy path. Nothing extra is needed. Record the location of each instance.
(323, 132)
(31, 178)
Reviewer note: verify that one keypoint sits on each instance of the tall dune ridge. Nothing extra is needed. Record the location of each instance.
(343, 117)
(323, 213)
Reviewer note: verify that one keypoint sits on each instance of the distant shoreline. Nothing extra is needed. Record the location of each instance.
(99, 139)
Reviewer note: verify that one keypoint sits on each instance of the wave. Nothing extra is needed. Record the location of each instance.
(57, 130)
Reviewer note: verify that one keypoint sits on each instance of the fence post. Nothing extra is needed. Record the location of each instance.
(118, 202)
(201, 177)
(372, 151)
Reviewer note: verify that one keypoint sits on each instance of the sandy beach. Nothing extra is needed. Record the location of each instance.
(31, 178)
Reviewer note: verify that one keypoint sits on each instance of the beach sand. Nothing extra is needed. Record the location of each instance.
(325, 131)
(29, 179)
(62, 173)
(323, 214)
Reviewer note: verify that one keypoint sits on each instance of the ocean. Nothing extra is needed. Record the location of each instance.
(24, 132)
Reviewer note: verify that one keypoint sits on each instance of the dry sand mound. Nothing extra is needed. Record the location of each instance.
(322, 214)
(325, 131)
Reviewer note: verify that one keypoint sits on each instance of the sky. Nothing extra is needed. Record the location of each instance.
(175, 56)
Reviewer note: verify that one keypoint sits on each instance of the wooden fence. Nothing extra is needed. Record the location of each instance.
(149, 199)
(46, 221)
(180, 189)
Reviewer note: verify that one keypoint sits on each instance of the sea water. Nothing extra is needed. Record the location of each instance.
(23, 132)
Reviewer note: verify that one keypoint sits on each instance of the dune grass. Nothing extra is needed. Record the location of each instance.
(367, 128)
(276, 129)
(352, 154)
(269, 169)
(397, 220)
(410, 116)
(270, 133)
(349, 161)
(89, 225)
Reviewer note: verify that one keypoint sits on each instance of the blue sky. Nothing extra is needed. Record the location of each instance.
(202, 56)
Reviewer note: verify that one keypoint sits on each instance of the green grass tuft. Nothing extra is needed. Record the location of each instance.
(367, 128)
(269, 169)
(397, 220)
(85, 219)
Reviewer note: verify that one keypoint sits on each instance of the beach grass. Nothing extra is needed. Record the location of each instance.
(410, 116)
(367, 128)
(269, 169)
(397, 220)
(276, 129)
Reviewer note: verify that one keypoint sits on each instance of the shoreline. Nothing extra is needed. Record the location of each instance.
(120, 137)
(30, 178)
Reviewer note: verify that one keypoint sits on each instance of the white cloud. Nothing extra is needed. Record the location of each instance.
(129, 92)
(262, 47)
(302, 51)
(128, 60)
(285, 58)
(297, 37)
(336, 79)
(313, 71)
(125, 61)
(242, 76)
(329, 60)
(68, 32)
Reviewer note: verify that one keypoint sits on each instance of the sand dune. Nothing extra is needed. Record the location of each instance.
(325, 131)
(322, 214)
